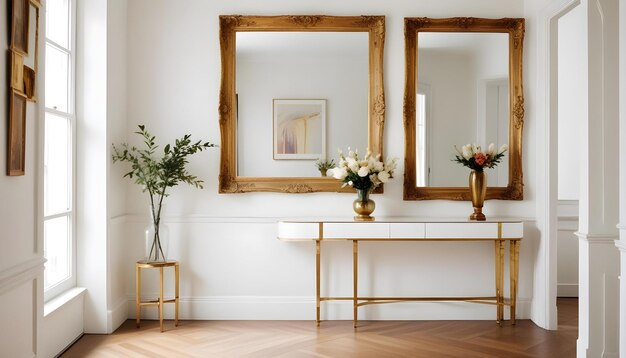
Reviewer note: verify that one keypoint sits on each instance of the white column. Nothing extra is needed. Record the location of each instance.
(621, 244)
(599, 203)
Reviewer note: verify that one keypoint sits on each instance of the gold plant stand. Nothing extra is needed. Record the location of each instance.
(160, 301)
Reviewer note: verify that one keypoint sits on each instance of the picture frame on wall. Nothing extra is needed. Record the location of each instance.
(31, 60)
(20, 15)
(16, 151)
(299, 127)
(17, 71)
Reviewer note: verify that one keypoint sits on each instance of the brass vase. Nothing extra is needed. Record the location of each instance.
(363, 206)
(478, 190)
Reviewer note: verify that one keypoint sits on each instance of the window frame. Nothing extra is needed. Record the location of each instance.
(70, 281)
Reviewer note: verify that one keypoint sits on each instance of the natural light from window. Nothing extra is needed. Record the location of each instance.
(59, 245)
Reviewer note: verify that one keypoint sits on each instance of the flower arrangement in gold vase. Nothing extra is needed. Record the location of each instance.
(363, 174)
(473, 157)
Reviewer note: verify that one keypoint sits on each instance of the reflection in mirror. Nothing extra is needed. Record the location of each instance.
(462, 97)
(313, 68)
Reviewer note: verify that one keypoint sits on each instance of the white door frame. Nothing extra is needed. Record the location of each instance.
(544, 311)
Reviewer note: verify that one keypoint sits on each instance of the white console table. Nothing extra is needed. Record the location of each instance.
(402, 229)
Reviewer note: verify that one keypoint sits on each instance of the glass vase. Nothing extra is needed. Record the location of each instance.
(157, 236)
(363, 206)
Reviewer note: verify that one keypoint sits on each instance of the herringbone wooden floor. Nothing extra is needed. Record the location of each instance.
(337, 339)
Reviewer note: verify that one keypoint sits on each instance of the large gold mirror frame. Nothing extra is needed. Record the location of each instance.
(229, 180)
(515, 28)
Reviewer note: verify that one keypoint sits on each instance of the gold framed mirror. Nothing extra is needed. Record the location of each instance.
(463, 85)
(248, 119)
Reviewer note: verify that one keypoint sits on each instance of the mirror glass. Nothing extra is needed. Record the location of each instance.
(462, 97)
(300, 96)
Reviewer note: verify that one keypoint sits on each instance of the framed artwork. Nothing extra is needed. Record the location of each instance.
(20, 15)
(17, 71)
(299, 129)
(16, 152)
(32, 58)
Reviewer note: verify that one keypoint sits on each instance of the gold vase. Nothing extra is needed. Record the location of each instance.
(478, 190)
(363, 206)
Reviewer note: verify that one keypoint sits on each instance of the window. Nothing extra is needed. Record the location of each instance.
(58, 156)
(421, 136)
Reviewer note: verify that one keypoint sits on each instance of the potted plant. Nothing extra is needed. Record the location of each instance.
(156, 171)
(324, 165)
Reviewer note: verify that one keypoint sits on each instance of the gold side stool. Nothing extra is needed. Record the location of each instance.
(159, 302)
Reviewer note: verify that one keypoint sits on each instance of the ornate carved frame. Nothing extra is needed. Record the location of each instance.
(229, 181)
(515, 28)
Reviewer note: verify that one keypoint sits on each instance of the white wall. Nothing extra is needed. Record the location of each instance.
(101, 121)
(571, 114)
(567, 244)
(342, 83)
(21, 263)
(117, 132)
(571, 102)
(621, 244)
(226, 243)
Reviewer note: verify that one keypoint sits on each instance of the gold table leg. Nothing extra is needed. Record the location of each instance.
(501, 306)
(499, 256)
(137, 295)
(176, 298)
(161, 298)
(355, 268)
(514, 273)
(317, 282)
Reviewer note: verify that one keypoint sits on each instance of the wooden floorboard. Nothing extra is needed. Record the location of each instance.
(286, 339)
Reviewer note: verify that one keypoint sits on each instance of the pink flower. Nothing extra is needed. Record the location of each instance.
(480, 158)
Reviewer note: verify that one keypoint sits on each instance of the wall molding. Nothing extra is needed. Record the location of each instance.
(208, 219)
(598, 238)
(567, 210)
(24, 271)
(303, 308)
(567, 290)
(118, 314)
(621, 245)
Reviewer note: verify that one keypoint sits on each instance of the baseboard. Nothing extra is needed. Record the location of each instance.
(567, 290)
(303, 308)
(69, 345)
(118, 314)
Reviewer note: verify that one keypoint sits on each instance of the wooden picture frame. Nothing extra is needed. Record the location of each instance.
(17, 71)
(514, 27)
(16, 151)
(229, 180)
(20, 14)
(303, 120)
(31, 60)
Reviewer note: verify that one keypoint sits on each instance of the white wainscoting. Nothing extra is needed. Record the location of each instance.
(567, 250)
(19, 308)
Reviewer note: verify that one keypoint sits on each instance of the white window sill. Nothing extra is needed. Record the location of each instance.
(62, 299)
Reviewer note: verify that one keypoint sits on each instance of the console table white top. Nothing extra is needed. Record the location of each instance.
(396, 228)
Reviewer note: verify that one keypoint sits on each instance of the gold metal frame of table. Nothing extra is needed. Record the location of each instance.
(498, 300)
(160, 301)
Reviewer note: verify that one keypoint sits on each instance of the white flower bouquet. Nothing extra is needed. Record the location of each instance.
(473, 157)
(362, 173)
